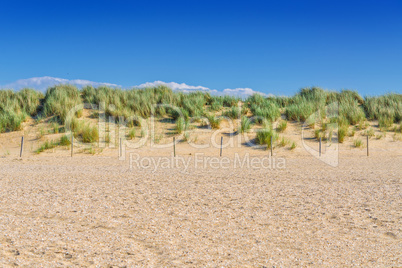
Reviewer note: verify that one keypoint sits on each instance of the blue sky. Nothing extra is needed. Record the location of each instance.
(270, 46)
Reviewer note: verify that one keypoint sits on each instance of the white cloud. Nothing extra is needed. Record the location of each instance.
(42, 83)
(242, 92)
(173, 86)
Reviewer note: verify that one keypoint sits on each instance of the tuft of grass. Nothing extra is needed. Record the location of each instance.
(352, 132)
(157, 138)
(234, 112)
(318, 134)
(186, 136)
(283, 124)
(55, 127)
(245, 124)
(342, 132)
(398, 129)
(180, 125)
(283, 142)
(358, 143)
(214, 121)
(107, 138)
(64, 141)
(131, 134)
(369, 132)
(363, 125)
(264, 137)
(87, 133)
(293, 146)
(91, 150)
(45, 146)
(397, 137)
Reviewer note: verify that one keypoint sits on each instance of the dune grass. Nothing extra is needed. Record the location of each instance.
(263, 108)
(16, 107)
(264, 136)
(180, 125)
(59, 100)
(386, 108)
(245, 124)
(214, 121)
(358, 143)
(283, 124)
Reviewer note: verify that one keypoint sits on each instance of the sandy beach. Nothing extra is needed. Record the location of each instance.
(97, 211)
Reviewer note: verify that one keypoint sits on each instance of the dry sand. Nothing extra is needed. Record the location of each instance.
(96, 211)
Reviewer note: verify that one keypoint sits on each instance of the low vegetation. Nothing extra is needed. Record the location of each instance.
(358, 143)
(282, 126)
(245, 124)
(351, 112)
(264, 136)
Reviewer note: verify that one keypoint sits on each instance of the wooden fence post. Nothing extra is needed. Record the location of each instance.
(320, 146)
(72, 144)
(221, 146)
(272, 146)
(120, 149)
(367, 145)
(174, 146)
(22, 145)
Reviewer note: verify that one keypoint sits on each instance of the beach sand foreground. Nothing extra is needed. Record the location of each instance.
(92, 211)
